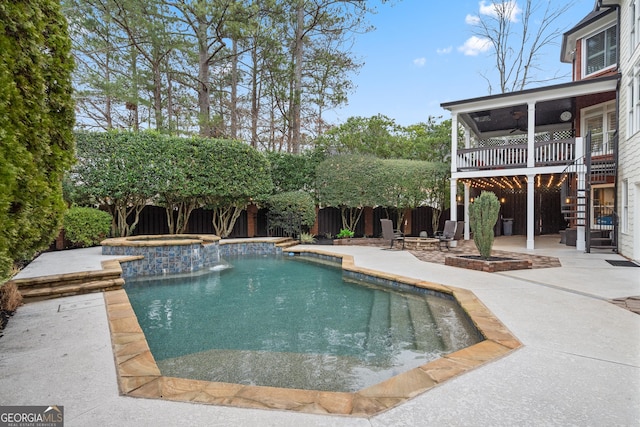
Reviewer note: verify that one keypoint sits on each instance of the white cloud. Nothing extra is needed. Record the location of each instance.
(444, 51)
(509, 9)
(475, 45)
(472, 19)
(420, 61)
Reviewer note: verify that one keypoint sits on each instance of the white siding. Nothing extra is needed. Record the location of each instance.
(629, 144)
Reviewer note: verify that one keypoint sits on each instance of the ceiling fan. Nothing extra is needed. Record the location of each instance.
(517, 115)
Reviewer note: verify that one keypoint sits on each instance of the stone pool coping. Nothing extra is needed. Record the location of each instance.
(139, 376)
(161, 240)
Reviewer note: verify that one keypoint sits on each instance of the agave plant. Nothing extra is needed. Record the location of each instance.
(307, 238)
(483, 215)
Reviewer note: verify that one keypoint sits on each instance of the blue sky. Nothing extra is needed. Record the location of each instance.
(414, 59)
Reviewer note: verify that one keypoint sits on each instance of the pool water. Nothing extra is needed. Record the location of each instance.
(283, 322)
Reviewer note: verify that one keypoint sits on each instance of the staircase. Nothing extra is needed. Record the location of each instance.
(61, 285)
(286, 242)
(404, 322)
(577, 205)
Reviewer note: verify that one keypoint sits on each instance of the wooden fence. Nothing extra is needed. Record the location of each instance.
(549, 219)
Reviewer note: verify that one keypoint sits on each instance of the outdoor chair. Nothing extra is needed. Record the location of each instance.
(448, 235)
(459, 231)
(388, 233)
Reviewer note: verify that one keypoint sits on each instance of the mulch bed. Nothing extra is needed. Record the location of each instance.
(4, 319)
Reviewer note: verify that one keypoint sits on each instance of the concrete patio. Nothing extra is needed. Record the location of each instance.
(579, 364)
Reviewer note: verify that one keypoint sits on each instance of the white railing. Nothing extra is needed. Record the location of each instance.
(560, 152)
(515, 156)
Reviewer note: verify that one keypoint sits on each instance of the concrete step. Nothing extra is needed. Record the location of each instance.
(61, 290)
(426, 333)
(287, 243)
(377, 332)
(603, 247)
(67, 279)
(58, 285)
(401, 326)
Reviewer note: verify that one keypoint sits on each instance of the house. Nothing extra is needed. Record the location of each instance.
(563, 158)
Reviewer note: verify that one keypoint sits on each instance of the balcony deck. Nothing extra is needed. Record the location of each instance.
(547, 153)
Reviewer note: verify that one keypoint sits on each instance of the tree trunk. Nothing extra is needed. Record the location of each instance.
(297, 79)
(204, 102)
(157, 95)
(254, 97)
(234, 90)
(224, 219)
(169, 101)
(135, 111)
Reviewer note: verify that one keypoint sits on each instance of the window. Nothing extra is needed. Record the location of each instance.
(602, 51)
(601, 122)
(625, 206)
(631, 126)
(633, 102)
(602, 207)
(634, 26)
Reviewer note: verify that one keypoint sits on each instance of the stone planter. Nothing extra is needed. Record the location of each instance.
(474, 262)
(363, 241)
(323, 241)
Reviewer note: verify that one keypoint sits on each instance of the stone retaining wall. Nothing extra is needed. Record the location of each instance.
(488, 266)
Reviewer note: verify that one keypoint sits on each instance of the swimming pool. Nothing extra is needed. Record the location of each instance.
(279, 321)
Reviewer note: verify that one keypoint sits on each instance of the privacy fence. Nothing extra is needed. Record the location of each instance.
(153, 220)
(549, 220)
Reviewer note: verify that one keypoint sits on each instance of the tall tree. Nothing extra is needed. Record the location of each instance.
(518, 37)
(376, 135)
(97, 45)
(312, 20)
(206, 25)
(260, 70)
(148, 26)
(36, 121)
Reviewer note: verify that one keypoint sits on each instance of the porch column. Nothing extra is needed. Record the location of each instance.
(531, 218)
(467, 234)
(453, 211)
(454, 142)
(531, 133)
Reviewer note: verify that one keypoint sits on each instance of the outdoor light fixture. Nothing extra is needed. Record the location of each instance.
(482, 116)
(502, 200)
(566, 116)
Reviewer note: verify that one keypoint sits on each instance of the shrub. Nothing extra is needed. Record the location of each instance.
(483, 214)
(291, 211)
(10, 297)
(36, 120)
(345, 234)
(86, 226)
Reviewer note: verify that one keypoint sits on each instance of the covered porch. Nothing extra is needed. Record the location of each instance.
(523, 140)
